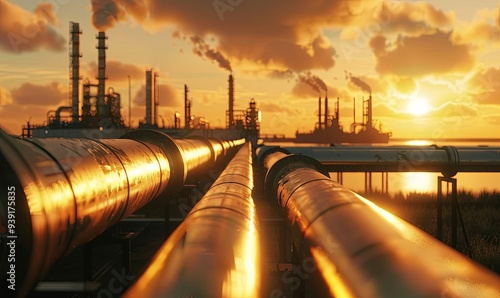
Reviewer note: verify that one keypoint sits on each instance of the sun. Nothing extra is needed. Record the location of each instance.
(418, 106)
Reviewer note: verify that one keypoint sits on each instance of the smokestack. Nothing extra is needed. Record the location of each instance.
(319, 112)
(156, 99)
(74, 57)
(326, 111)
(337, 109)
(187, 109)
(149, 97)
(101, 76)
(231, 101)
(369, 111)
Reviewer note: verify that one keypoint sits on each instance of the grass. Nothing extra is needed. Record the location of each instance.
(480, 213)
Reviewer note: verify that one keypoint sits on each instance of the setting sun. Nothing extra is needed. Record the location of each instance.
(418, 106)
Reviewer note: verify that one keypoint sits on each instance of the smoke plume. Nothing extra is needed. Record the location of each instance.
(358, 82)
(202, 49)
(315, 82)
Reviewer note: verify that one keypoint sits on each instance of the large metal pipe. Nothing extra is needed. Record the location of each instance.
(215, 250)
(360, 249)
(447, 159)
(67, 191)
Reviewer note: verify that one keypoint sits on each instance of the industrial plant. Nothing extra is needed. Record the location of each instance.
(94, 208)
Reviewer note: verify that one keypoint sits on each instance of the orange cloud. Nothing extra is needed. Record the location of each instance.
(118, 71)
(276, 35)
(419, 56)
(484, 86)
(23, 31)
(31, 94)
(168, 96)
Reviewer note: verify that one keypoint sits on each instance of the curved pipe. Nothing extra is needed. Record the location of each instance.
(362, 250)
(215, 250)
(447, 159)
(68, 191)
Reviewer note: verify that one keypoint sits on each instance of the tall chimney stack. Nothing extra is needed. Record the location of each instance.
(149, 97)
(101, 75)
(74, 57)
(369, 112)
(319, 112)
(187, 109)
(325, 122)
(231, 101)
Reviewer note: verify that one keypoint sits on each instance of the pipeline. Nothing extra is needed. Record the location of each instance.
(447, 159)
(360, 249)
(215, 250)
(65, 192)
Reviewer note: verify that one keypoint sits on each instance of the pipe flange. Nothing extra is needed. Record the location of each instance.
(453, 161)
(172, 151)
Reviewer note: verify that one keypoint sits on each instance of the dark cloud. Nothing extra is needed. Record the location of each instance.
(23, 31)
(276, 35)
(168, 96)
(423, 55)
(47, 95)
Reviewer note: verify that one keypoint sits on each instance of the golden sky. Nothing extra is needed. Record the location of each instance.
(433, 67)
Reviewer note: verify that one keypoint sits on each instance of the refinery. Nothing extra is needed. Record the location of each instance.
(104, 210)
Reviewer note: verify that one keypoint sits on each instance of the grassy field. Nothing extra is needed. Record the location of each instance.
(480, 213)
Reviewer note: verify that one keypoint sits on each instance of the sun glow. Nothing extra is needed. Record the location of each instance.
(418, 106)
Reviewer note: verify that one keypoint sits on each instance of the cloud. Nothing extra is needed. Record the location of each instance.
(269, 107)
(23, 31)
(484, 86)
(419, 56)
(168, 96)
(413, 18)
(5, 97)
(40, 95)
(481, 30)
(281, 34)
(118, 71)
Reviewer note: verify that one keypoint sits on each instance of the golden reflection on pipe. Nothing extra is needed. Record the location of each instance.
(215, 251)
(374, 253)
(68, 191)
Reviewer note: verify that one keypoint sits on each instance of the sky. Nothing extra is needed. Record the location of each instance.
(433, 68)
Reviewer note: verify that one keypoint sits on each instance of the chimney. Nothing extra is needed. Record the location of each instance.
(231, 101)
(156, 98)
(74, 57)
(369, 112)
(326, 111)
(149, 97)
(101, 75)
(319, 112)
(187, 109)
